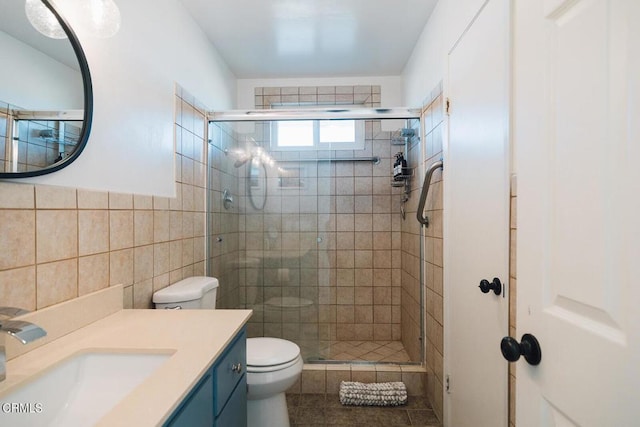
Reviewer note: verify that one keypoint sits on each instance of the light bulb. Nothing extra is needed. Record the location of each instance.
(103, 18)
(43, 19)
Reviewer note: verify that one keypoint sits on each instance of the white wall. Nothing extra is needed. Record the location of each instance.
(428, 62)
(35, 81)
(131, 146)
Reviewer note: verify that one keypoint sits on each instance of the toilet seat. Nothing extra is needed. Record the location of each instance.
(271, 354)
(273, 368)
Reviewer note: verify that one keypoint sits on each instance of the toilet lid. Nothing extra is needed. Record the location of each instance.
(270, 351)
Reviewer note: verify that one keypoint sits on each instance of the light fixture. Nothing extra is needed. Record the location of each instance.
(102, 17)
(43, 19)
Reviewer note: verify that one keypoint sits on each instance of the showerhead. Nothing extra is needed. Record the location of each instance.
(241, 156)
(241, 162)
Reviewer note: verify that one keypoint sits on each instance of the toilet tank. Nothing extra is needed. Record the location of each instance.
(198, 292)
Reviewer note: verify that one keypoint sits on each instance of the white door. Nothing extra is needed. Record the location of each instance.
(577, 135)
(476, 240)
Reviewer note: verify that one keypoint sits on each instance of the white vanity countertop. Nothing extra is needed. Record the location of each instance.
(194, 338)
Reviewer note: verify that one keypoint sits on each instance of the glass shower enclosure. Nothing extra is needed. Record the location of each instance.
(306, 228)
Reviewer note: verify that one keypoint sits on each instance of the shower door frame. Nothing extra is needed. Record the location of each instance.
(328, 113)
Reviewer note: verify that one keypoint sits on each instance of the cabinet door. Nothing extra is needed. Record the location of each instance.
(229, 370)
(235, 412)
(197, 408)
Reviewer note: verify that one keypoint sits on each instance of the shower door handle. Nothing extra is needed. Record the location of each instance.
(495, 285)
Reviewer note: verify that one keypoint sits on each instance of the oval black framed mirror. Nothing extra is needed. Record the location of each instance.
(46, 95)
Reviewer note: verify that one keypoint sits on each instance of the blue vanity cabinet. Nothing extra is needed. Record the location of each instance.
(220, 397)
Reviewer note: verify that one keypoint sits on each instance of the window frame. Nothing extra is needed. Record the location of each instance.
(357, 144)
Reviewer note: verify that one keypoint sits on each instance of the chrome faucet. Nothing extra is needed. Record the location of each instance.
(23, 331)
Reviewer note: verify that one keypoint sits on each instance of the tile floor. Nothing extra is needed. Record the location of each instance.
(360, 351)
(326, 410)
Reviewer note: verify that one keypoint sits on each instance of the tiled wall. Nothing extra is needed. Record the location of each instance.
(352, 208)
(59, 243)
(224, 256)
(512, 296)
(433, 116)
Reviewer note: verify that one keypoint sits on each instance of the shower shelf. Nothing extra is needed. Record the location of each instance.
(407, 174)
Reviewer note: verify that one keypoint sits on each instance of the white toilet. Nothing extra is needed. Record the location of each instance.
(273, 364)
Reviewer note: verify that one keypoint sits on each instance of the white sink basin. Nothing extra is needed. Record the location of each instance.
(78, 391)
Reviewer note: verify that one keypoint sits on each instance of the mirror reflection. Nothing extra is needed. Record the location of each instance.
(42, 95)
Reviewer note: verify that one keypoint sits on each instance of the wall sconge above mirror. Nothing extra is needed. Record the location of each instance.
(46, 97)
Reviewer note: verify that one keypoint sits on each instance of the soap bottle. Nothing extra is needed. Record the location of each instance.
(398, 167)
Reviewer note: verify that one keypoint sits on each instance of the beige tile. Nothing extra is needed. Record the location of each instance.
(199, 224)
(93, 273)
(313, 381)
(383, 377)
(160, 258)
(335, 376)
(175, 225)
(121, 229)
(93, 232)
(187, 225)
(120, 201)
(188, 203)
(161, 226)
(199, 249)
(175, 255)
(160, 281)
(143, 263)
(142, 294)
(187, 252)
(56, 282)
(49, 197)
(89, 199)
(363, 374)
(121, 267)
(127, 297)
(16, 196)
(18, 288)
(143, 229)
(414, 382)
(160, 203)
(57, 235)
(142, 202)
(17, 238)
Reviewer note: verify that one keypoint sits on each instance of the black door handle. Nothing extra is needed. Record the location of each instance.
(528, 347)
(495, 286)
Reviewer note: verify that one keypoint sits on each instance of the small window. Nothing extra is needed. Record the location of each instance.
(317, 135)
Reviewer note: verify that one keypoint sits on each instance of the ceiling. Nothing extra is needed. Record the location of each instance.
(312, 38)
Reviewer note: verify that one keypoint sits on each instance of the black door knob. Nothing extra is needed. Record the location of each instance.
(528, 347)
(495, 286)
